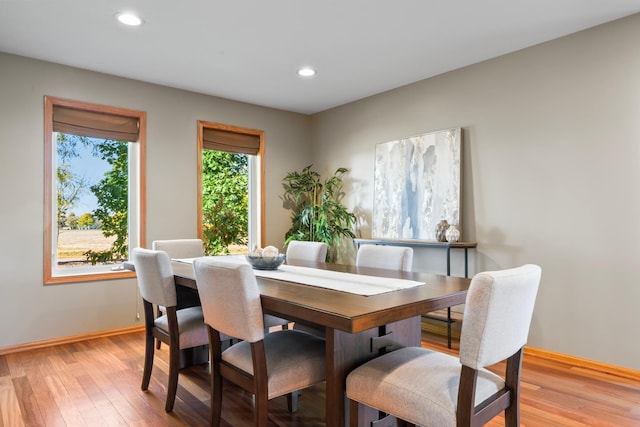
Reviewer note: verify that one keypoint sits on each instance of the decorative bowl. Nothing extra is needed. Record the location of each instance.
(265, 263)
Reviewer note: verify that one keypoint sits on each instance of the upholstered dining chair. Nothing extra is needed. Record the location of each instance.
(180, 329)
(267, 365)
(429, 388)
(389, 257)
(307, 251)
(298, 250)
(177, 249)
(180, 248)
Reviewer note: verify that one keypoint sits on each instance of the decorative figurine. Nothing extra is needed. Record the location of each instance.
(452, 234)
(442, 230)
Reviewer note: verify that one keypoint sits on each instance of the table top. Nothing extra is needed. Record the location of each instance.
(345, 311)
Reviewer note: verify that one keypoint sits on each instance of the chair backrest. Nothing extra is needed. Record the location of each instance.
(155, 276)
(230, 298)
(180, 248)
(389, 257)
(497, 314)
(307, 251)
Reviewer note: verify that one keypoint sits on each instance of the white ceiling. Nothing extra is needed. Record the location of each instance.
(249, 50)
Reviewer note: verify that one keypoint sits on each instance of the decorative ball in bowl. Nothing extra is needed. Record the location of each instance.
(266, 262)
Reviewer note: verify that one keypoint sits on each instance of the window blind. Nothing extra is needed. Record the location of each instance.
(94, 124)
(231, 142)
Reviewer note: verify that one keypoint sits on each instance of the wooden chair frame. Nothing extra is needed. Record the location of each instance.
(172, 339)
(255, 384)
(507, 399)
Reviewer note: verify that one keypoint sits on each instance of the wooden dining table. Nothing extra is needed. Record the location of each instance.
(357, 328)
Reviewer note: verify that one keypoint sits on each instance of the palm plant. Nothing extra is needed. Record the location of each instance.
(318, 214)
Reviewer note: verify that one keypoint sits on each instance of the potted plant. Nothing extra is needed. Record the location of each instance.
(318, 214)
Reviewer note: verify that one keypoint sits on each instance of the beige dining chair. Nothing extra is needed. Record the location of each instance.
(177, 249)
(298, 250)
(429, 388)
(267, 365)
(388, 257)
(180, 329)
(180, 248)
(307, 251)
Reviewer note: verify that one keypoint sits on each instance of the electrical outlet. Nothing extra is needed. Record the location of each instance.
(137, 316)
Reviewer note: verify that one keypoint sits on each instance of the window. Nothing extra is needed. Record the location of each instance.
(94, 190)
(230, 176)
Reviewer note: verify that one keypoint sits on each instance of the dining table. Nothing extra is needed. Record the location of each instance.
(356, 327)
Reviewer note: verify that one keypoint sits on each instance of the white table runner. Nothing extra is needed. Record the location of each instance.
(336, 280)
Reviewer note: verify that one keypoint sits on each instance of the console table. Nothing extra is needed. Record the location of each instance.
(426, 244)
(430, 244)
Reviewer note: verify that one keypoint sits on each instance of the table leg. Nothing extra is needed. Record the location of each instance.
(448, 327)
(466, 262)
(345, 351)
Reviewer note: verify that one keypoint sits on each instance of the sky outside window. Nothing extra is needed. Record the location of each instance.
(92, 168)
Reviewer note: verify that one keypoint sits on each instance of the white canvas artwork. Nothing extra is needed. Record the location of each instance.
(417, 184)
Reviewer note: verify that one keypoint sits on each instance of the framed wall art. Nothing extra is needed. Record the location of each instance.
(416, 185)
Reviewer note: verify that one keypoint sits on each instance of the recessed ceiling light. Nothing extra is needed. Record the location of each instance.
(129, 19)
(306, 72)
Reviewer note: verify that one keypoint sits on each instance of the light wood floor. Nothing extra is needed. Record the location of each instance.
(97, 383)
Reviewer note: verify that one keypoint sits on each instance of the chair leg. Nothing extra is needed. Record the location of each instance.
(172, 387)
(512, 416)
(216, 399)
(158, 342)
(513, 370)
(262, 409)
(292, 401)
(354, 407)
(148, 360)
(449, 327)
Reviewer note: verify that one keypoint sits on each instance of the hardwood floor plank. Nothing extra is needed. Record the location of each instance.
(10, 413)
(31, 415)
(15, 363)
(49, 411)
(4, 367)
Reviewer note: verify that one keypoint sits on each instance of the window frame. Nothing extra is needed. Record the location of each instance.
(256, 180)
(137, 179)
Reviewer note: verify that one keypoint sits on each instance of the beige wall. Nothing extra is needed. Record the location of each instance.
(551, 172)
(32, 311)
